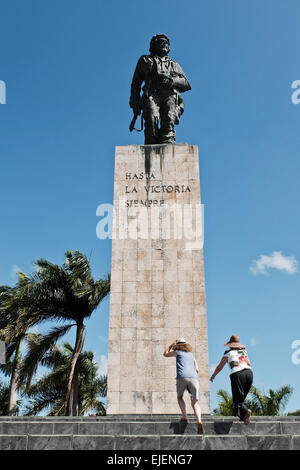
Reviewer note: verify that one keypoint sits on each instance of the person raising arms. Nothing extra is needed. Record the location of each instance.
(241, 375)
(186, 377)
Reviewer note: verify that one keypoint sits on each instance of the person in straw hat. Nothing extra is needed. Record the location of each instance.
(241, 375)
(186, 378)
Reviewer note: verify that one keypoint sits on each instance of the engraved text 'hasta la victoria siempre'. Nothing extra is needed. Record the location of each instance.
(150, 189)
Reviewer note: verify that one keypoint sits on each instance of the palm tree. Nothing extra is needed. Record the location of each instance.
(16, 318)
(67, 294)
(269, 405)
(10, 315)
(226, 406)
(259, 403)
(294, 413)
(4, 399)
(48, 392)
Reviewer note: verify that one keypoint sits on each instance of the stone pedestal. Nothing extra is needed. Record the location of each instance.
(157, 278)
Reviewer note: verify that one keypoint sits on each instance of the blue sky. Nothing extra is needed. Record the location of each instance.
(67, 66)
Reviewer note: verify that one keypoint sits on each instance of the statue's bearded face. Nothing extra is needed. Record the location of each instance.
(160, 46)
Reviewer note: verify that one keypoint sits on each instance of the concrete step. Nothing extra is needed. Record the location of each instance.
(150, 442)
(141, 417)
(133, 432)
(145, 428)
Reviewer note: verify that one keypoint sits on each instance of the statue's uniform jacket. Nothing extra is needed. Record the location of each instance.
(159, 101)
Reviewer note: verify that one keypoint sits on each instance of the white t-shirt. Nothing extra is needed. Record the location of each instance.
(237, 360)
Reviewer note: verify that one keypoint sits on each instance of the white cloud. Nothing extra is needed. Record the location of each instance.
(276, 260)
(253, 341)
(102, 365)
(14, 271)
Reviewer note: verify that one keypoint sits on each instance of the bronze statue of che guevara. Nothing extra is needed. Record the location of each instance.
(161, 103)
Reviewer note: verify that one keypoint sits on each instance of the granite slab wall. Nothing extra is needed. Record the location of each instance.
(149, 432)
(157, 277)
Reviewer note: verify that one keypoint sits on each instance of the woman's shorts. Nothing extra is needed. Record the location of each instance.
(189, 384)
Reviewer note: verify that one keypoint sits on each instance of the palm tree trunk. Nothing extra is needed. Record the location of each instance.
(14, 386)
(76, 353)
(75, 390)
(73, 400)
(70, 411)
(75, 385)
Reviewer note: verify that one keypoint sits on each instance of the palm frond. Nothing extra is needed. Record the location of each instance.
(38, 345)
(48, 392)
(78, 265)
